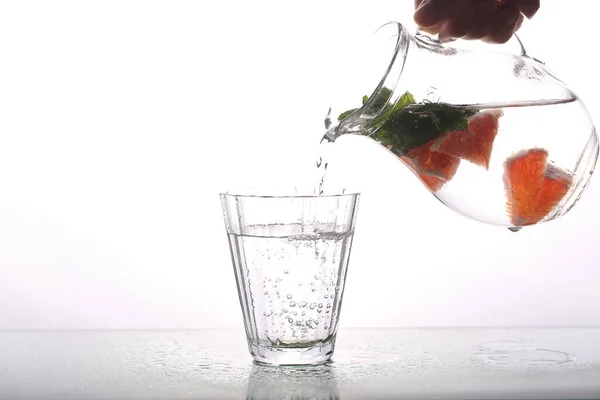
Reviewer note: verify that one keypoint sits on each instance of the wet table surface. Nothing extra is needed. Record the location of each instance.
(368, 364)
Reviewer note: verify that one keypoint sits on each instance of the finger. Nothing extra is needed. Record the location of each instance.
(477, 32)
(418, 3)
(452, 30)
(481, 10)
(480, 14)
(528, 7)
(503, 25)
(432, 12)
(519, 22)
(433, 30)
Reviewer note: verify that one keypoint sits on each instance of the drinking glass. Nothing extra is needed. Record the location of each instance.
(290, 257)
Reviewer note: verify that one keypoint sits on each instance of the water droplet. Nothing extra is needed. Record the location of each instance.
(292, 304)
(515, 229)
(289, 296)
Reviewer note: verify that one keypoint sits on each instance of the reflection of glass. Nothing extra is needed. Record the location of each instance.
(290, 256)
(315, 383)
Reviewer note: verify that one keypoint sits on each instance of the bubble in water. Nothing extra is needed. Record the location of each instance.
(312, 306)
(285, 271)
(290, 320)
(303, 304)
(313, 290)
(292, 304)
(320, 305)
(285, 310)
(326, 296)
(266, 293)
(289, 296)
(328, 305)
(303, 313)
(319, 310)
(316, 277)
(295, 312)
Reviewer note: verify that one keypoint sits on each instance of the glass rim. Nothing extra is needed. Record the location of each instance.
(299, 196)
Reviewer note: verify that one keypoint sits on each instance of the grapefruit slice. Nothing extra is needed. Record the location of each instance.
(435, 169)
(557, 183)
(533, 187)
(475, 143)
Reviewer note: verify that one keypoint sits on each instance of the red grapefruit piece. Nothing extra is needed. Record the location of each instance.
(435, 169)
(557, 183)
(533, 187)
(475, 143)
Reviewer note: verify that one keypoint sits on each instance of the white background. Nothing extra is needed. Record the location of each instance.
(120, 122)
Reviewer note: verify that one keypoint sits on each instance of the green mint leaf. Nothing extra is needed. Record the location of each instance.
(346, 113)
(389, 109)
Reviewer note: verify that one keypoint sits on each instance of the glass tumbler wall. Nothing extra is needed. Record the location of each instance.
(290, 257)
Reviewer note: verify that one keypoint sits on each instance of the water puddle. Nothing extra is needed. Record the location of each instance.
(519, 352)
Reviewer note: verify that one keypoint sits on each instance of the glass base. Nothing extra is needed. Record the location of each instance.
(304, 356)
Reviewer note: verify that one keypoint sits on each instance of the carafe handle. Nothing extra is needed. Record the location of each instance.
(523, 52)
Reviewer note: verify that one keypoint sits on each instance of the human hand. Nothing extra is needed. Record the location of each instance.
(492, 21)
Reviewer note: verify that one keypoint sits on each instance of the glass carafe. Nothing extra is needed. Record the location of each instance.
(495, 136)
